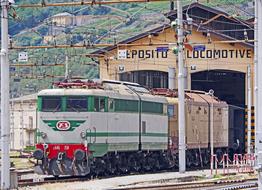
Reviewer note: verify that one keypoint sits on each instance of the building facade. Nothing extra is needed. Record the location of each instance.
(23, 122)
(218, 53)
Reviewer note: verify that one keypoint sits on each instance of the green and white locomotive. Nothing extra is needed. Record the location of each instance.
(109, 127)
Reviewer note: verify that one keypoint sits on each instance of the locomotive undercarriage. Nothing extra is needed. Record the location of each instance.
(131, 162)
(65, 166)
(117, 163)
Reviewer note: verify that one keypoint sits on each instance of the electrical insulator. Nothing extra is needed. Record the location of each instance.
(174, 24)
(209, 37)
(189, 21)
(245, 35)
(175, 50)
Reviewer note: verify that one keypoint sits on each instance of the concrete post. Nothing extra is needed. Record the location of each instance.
(181, 91)
(5, 109)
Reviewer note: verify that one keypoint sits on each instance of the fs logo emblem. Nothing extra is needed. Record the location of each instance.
(63, 125)
(58, 125)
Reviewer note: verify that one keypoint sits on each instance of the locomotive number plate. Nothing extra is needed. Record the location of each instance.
(63, 125)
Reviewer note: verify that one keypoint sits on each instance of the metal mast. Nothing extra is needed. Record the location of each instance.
(5, 116)
(66, 67)
(181, 90)
(249, 98)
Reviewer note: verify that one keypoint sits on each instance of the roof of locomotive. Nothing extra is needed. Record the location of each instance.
(198, 97)
(110, 89)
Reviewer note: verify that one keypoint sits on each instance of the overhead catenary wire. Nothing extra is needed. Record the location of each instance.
(83, 3)
(75, 46)
(116, 27)
(133, 44)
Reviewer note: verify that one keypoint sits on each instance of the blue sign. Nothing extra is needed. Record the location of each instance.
(17, 79)
(199, 48)
(12, 69)
(162, 49)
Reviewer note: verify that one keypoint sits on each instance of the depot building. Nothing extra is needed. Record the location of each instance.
(218, 54)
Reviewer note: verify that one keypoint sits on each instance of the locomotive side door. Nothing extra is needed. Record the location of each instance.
(97, 133)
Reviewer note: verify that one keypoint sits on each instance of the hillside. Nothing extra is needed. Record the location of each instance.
(89, 24)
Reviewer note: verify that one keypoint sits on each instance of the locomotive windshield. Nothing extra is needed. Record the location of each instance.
(76, 104)
(51, 103)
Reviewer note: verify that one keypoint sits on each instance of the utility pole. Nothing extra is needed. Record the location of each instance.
(66, 67)
(211, 93)
(258, 88)
(249, 109)
(181, 90)
(5, 116)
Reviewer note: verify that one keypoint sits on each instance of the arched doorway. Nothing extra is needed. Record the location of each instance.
(150, 79)
(228, 86)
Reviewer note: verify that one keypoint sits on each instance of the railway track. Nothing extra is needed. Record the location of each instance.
(40, 181)
(201, 185)
(249, 184)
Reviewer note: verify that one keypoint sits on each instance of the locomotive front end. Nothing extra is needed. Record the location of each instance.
(62, 144)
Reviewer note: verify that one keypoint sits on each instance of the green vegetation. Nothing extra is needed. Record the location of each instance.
(107, 24)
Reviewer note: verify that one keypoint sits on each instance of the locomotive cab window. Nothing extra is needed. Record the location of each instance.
(51, 103)
(111, 105)
(99, 104)
(153, 107)
(76, 104)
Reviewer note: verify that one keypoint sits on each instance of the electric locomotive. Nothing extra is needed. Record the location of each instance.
(119, 127)
(112, 127)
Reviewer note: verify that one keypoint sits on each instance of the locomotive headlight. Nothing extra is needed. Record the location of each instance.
(43, 135)
(83, 135)
(38, 154)
(79, 155)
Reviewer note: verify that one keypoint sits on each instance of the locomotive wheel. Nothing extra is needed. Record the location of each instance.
(163, 161)
(155, 162)
(100, 166)
(82, 169)
(196, 158)
(146, 163)
(189, 159)
(123, 166)
(219, 154)
(205, 158)
(133, 163)
(111, 166)
(67, 166)
(53, 168)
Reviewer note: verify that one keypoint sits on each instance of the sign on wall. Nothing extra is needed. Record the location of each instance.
(121, 54)
(22, 57)
(219, 54)
(199, 52)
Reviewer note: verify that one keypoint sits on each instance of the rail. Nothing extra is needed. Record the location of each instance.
(221, 184)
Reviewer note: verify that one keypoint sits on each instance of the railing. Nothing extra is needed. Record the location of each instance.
(240, 163)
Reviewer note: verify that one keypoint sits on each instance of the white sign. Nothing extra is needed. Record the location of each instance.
(22, 57)
(122, 54)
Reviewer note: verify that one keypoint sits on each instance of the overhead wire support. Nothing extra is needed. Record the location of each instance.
(81, 3)
(181, 90)
(5, 109)
(36, 65)
(120, 44)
